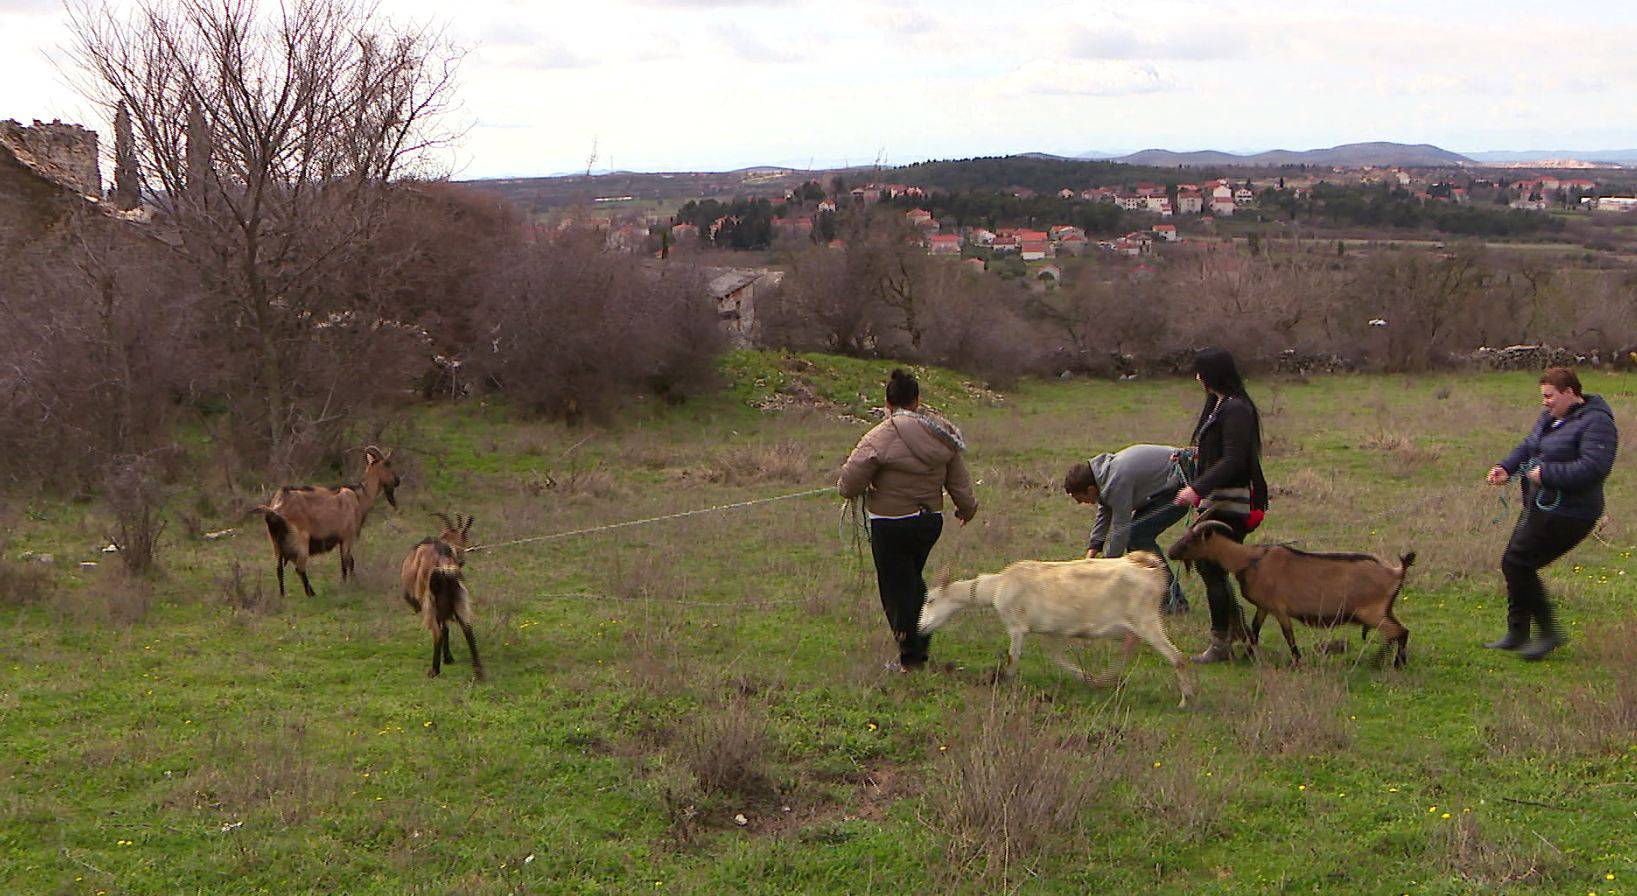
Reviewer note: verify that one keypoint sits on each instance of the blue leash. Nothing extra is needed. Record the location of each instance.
(1540, 493)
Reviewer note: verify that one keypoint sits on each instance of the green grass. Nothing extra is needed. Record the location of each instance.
(172, 743)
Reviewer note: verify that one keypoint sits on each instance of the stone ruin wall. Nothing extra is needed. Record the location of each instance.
(65, 153)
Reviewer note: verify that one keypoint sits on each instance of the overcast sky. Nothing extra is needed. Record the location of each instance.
(718, 84)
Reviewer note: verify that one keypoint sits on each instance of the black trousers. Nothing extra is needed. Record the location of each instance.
(900, 549)
(1226, 619)
(1537, 540)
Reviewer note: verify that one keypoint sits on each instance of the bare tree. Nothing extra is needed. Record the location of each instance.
(268, 137)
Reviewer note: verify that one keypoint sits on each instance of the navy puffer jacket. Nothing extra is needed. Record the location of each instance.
(1575, 455)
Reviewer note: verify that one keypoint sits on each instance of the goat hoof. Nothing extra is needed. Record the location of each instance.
(432, 673)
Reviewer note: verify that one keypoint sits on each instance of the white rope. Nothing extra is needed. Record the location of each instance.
(652, 519)
(659, 601)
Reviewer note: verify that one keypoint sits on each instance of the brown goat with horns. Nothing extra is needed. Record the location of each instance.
(434, 587)
(304, 520)
(1319, 589)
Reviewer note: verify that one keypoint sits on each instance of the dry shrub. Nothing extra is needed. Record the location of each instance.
(1310, 485)
(112, 596)
(1595, 716)
(22, 582)
(1406, 453)
(247, 594)
(660, 663)
(137, 500)
(783, 461)
(1468, 853)
(728, 750)
(1190, 805)
(646, 576)
(1011, 789)
(263, 765)
(1294, 712)
(576, 331)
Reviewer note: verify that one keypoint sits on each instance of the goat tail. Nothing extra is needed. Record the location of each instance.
(279, 530)
(449, 591)
(1403, 573)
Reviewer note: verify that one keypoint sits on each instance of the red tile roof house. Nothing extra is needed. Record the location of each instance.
(1058, 231)
(1073, 244)
(1222, 207)
(917, 215)
(1034, 250)
(944, 244)
(1190, 202)
(1028, 236)
(1005, 244)
(1167, 232)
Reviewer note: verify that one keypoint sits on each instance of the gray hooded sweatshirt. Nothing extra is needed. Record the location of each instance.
(1127, 481)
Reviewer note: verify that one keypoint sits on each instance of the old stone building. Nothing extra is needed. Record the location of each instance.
(45, 170)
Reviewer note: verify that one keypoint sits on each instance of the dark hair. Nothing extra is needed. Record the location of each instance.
(1079, 478)
(902, 390)
(1562, 379)
(1219, 373)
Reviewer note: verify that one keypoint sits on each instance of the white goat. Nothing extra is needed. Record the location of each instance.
(1100, 598)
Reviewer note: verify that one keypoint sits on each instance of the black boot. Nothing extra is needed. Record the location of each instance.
(1516, 636)
(1550, 638)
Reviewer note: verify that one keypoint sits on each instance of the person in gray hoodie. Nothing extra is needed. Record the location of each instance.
(1563, 462)
(1133, 491)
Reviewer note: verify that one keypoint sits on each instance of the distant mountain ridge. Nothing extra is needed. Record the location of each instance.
(1618, 156)
(1347, 155)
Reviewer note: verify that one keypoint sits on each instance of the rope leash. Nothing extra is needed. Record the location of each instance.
(652, 519)
(669, 603)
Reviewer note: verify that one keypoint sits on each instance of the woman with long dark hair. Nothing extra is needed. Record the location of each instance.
(902, 468)
(1229, 487)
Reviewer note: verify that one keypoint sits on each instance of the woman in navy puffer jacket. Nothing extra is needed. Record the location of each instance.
(1564, 460)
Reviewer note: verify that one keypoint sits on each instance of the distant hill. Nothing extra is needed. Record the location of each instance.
(1615, 156)
(1420, 155)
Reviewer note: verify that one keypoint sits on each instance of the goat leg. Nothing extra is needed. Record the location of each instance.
(438, 634)
(1254, 638)
(471, 645)
(281, 562)
(448, 657)
(306, 585)
(1290, 637)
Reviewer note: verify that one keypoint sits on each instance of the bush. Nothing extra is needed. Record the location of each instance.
(578, 332)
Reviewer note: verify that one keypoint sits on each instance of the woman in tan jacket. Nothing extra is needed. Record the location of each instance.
(902, 467)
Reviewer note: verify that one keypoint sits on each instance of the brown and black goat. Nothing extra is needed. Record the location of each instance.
(433, 586)
(305, 520)
(1321, 590)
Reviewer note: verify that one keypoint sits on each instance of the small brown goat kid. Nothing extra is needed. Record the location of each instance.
(1100, 598)
(1321, 590)
(433, 586)
(304, 520)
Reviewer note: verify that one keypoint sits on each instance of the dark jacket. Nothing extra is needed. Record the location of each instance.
(1229, 439)
(1575, 457)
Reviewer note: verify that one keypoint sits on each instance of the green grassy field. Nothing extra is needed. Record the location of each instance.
(190, 733)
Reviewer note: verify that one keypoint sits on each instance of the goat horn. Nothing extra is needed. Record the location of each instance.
(444, 519)
(373, 453)
(468, 526)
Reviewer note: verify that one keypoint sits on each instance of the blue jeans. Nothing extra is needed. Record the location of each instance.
(1145, 536)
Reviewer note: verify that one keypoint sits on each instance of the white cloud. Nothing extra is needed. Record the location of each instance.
(1087, 77)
